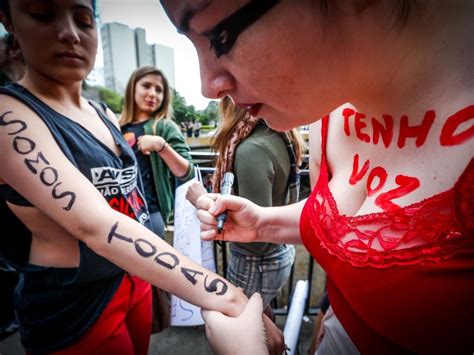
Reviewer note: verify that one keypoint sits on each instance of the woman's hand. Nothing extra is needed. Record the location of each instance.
(195, 190)
(242, 335)
(149, 143)
(243, 217)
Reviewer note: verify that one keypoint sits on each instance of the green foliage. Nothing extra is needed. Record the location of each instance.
(183, 112)
(113, 100)
(208, 128)
(210, 113)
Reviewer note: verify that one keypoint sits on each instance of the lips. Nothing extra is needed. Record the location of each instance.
(253, 109)
(72, 55)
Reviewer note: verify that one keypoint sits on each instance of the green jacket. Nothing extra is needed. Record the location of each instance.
(165, 183)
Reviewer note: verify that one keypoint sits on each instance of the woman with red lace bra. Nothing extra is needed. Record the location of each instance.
(391, 218)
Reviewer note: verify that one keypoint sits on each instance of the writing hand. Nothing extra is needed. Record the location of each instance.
(242, 221)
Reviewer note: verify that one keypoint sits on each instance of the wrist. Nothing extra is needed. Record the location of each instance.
(162, 147)
(261, 224)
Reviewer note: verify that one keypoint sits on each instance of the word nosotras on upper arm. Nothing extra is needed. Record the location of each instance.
(35, 160)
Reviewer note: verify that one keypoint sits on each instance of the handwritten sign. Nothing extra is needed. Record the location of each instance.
(187, 241)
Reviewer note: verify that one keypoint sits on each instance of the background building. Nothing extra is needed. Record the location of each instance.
(126, 49)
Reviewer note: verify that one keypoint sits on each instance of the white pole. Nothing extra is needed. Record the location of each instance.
(295, 315)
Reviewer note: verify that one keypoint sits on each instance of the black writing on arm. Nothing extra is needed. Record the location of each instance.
(35, 160)
(170, 261)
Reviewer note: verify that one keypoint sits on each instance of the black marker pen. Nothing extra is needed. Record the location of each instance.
(226, 189)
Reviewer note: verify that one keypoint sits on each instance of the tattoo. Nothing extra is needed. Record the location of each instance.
(61, 195)
(141, 251)
(4, 123)
(448, 136)
(40, 166)
(376, 181)
(113, 234)
(17, 145)
(385, 131)
(29, 162)
(174, 259)
(213, 286)
(190, 274)
(170, 261)
(406, 184)
(455, 131)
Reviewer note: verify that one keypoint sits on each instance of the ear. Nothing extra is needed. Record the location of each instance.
(15, 51)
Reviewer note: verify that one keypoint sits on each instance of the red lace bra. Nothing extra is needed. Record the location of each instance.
(432, 229)
(400, 281)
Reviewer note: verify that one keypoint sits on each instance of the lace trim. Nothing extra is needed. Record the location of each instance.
(424, 231)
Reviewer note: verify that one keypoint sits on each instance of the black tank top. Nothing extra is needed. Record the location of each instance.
(55, 306)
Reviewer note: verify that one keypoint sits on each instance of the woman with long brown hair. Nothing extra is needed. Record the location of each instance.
(265, 164)
(162, 153)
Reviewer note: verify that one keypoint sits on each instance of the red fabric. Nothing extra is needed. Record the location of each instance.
(125, 325)
(399, 281)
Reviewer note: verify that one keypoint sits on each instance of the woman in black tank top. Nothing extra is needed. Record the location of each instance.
(73, 181)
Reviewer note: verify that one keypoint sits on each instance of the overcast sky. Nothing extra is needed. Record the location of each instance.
(149, 15)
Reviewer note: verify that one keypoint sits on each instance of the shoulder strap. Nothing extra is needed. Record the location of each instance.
(99, 106)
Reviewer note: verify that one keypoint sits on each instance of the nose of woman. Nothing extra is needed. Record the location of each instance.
(216, 81)
(67, 30)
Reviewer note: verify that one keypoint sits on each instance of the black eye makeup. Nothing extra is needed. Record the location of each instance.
(224, 35)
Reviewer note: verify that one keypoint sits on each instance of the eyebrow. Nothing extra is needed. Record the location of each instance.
(189, 13)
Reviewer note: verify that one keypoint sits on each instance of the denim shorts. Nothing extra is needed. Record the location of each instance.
(265, 274)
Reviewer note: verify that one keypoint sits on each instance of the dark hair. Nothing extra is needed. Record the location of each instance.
(5, 7)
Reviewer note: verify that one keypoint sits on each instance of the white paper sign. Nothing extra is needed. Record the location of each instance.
(188, 242)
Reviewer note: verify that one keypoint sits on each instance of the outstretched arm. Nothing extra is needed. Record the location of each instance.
(33, 164)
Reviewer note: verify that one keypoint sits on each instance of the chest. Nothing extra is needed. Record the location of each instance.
(380, 164)
(99, 130)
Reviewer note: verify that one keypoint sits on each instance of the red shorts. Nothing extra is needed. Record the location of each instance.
(124, 326)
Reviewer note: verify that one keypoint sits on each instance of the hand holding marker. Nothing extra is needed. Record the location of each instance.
(226, 189)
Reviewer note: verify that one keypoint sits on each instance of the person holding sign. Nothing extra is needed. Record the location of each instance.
(391, 216)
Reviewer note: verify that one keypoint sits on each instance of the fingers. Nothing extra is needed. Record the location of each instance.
(255, 305)
(206, 201)
(212, 316)
(210, 234)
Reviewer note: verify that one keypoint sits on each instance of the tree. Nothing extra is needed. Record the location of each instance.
(210, 113)
(113, 100)
(182, 112)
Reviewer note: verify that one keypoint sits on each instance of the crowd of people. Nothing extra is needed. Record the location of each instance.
(386, 88)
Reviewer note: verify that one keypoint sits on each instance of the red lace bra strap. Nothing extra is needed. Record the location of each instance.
(324, 138)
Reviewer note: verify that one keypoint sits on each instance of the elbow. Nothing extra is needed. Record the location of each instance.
(93, 229)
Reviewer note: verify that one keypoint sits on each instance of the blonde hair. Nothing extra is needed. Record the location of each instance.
(128, 113)
(231, 115)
